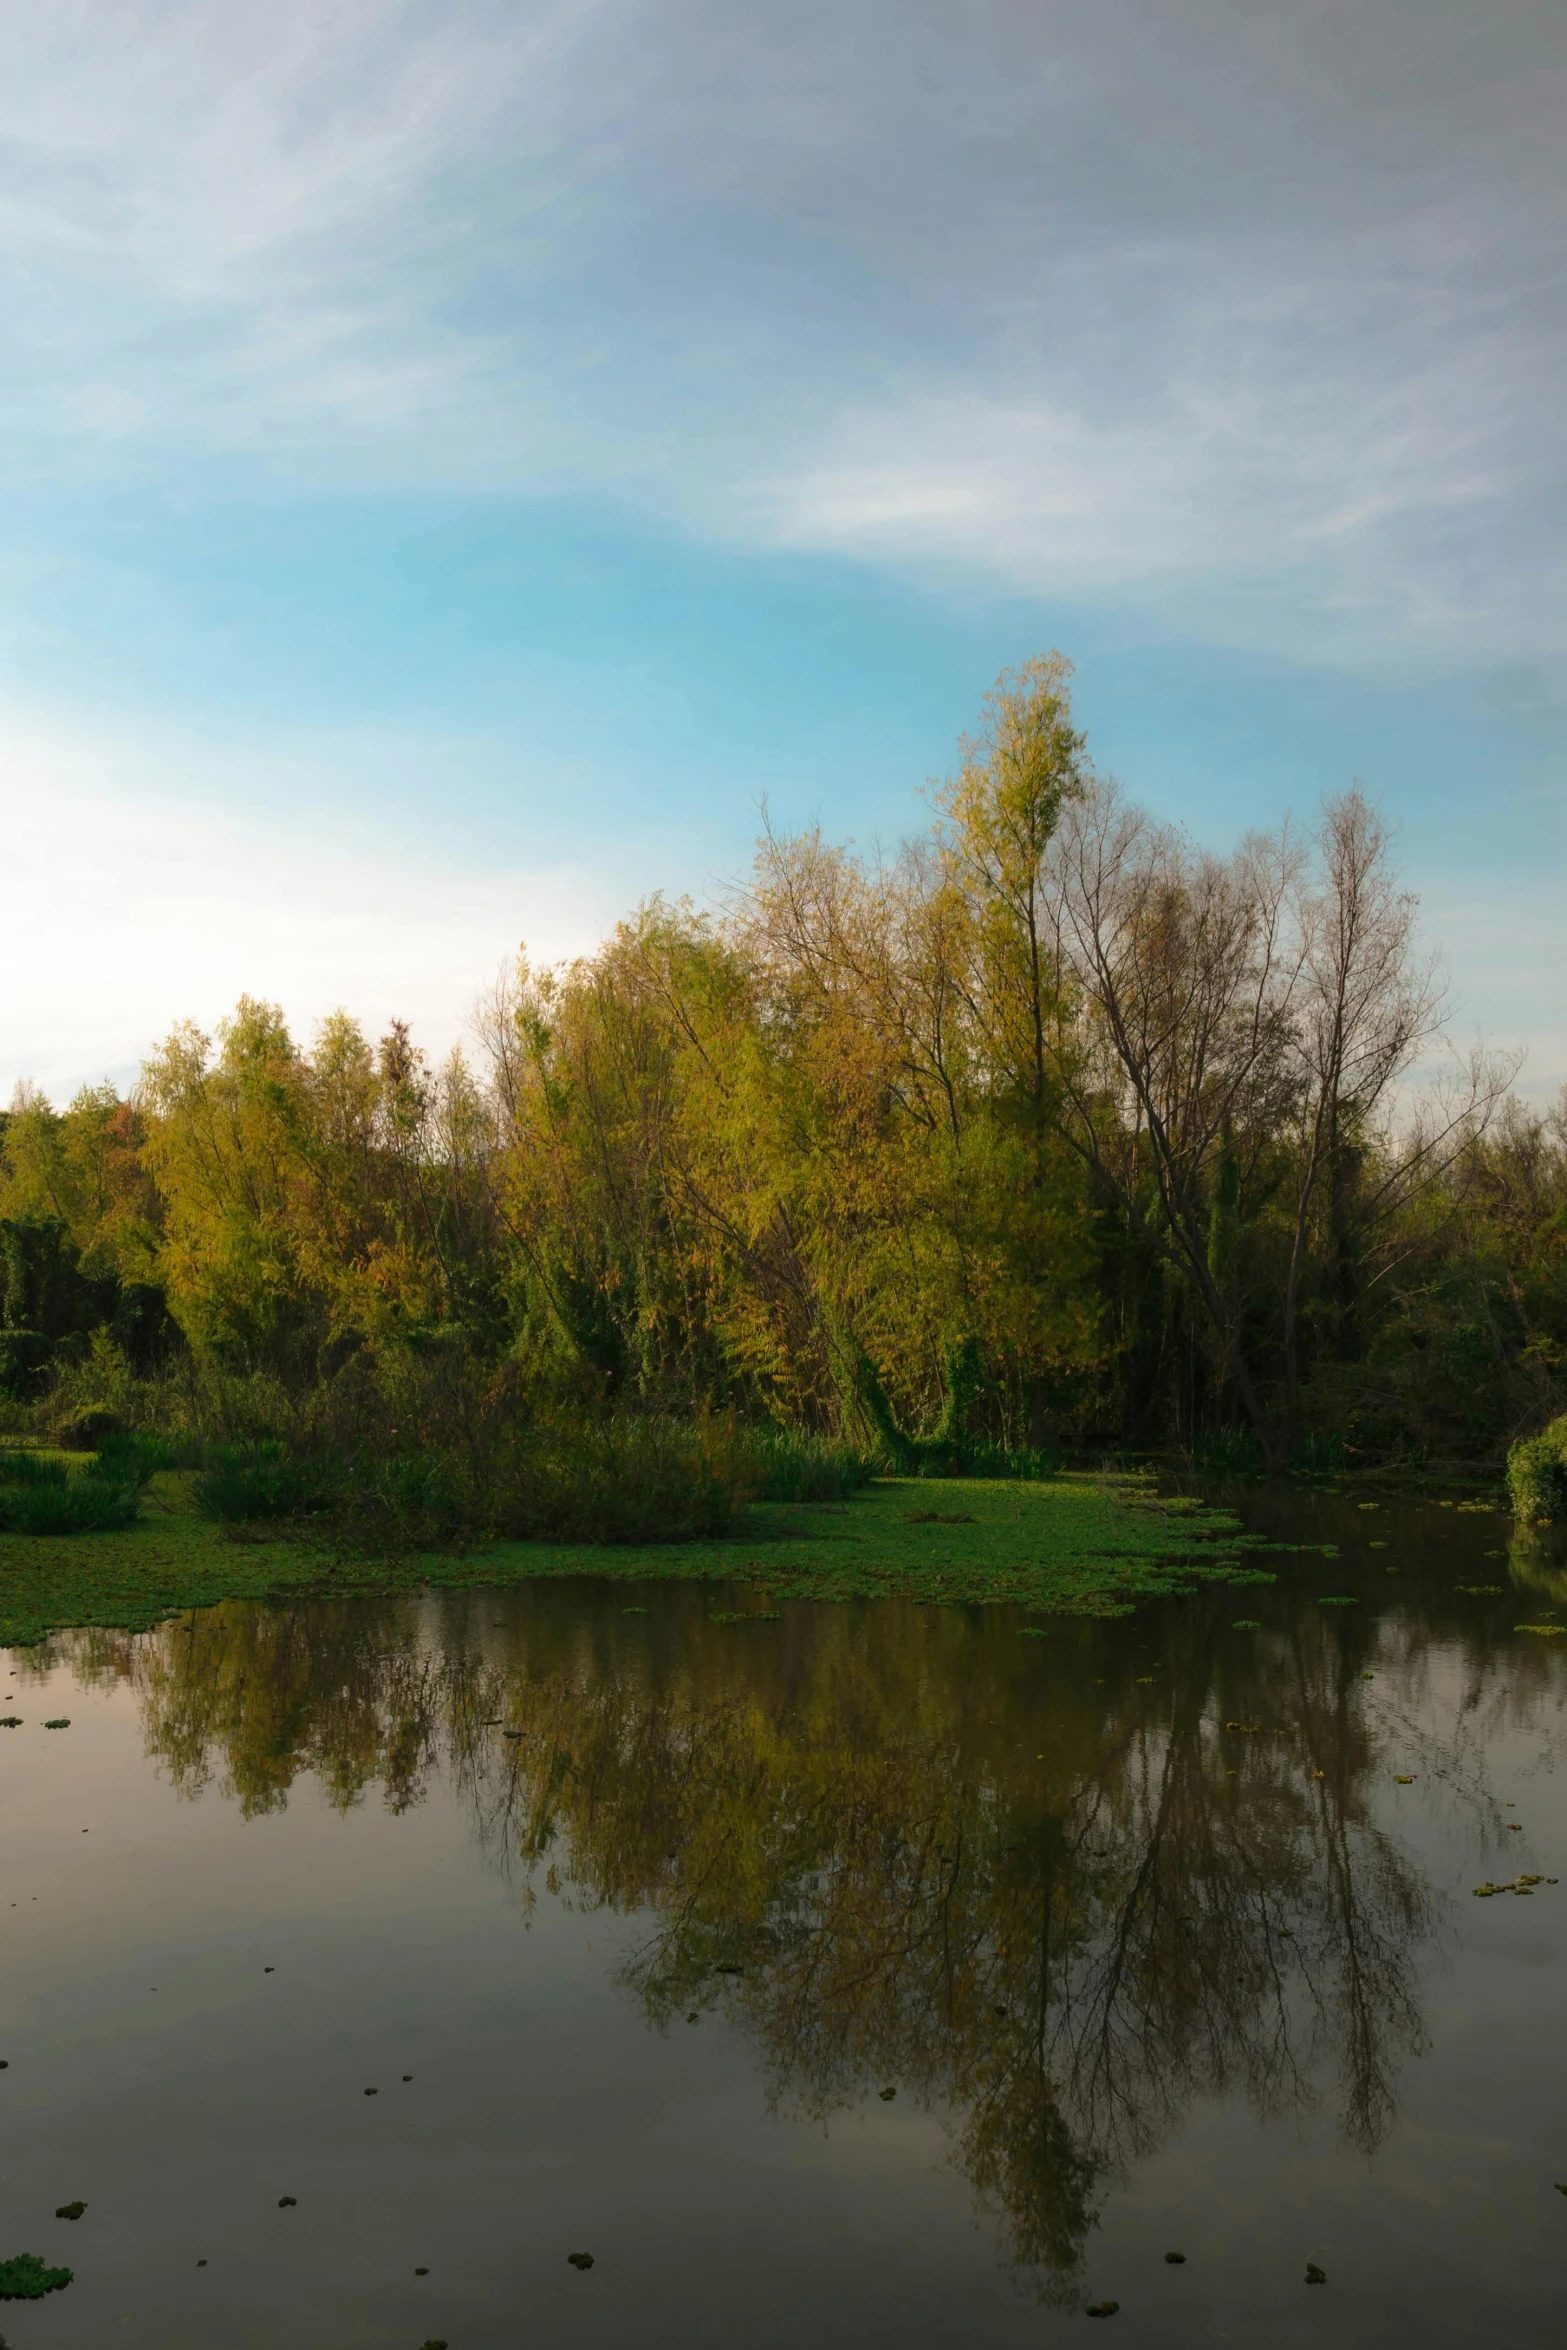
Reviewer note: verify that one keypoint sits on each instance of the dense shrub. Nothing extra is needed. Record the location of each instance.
(605, 1480)
(85, 1431)
(632, 1480)
(1537, 1475)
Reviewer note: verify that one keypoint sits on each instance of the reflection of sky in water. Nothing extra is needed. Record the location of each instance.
(1139, 1981)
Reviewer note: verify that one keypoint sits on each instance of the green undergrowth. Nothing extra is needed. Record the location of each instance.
(1071, 1545)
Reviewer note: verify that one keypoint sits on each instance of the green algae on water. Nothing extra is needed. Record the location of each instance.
(1078, 1545)
(27, 2278)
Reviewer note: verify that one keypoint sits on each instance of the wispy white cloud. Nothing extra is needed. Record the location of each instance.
(1251, 322)
(1243, 494)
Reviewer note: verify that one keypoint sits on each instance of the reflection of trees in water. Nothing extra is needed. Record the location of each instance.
(933, 1858)
(1063, 1951)
(339, 1691)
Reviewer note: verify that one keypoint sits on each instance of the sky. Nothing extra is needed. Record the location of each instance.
(459, 461)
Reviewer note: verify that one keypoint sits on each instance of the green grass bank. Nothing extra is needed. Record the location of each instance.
(1079, 1545)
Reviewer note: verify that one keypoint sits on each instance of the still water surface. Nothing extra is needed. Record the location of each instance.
(876, 1975)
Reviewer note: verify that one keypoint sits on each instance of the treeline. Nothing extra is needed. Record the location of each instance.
(1052, 1132)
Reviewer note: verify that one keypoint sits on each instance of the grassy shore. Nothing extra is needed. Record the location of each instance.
(1076, 1545)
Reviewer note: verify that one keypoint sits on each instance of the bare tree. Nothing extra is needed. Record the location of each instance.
(1371, 1005)
(1181, 975)
(1242, 1027)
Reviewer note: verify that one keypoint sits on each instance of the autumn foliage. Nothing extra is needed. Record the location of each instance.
(1052, 1130)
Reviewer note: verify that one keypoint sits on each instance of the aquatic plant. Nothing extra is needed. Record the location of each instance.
(1074, 1546)
(27, 2278)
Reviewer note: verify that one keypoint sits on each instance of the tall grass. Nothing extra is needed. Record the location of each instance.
(242, 1483)
(785, 1465)
(39, 1496)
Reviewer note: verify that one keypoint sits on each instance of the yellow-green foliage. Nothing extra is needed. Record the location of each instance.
(1537, 1475)
(1048, 1128)
(308, 1196)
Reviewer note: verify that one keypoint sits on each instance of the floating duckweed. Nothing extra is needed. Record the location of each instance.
(70, 2210)
(1074, 1545)
(285, 2202)
(10, 1721)
(1247, 1624)
(1315, 2275)
(1338, 1599)
(1544, 1631)
(1103, 2308)
(63, 1723)
(26, 2278)
(1249, 1727)
(887, 2094)
(580, 2259)
(1403, 1778)
(1176, 2259)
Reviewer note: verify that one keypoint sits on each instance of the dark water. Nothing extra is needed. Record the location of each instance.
(1139, 1983)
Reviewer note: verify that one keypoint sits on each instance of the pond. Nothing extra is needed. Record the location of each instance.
(857, 1974)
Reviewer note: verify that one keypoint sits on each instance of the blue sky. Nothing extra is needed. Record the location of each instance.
(458, 459)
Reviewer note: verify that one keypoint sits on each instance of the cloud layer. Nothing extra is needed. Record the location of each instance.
(1249, 317)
